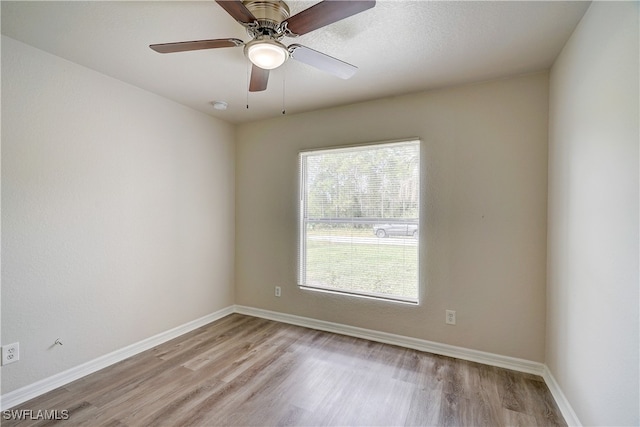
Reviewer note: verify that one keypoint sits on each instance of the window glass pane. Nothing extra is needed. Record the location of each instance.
(359, 220)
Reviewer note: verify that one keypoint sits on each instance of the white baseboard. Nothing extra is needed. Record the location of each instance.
(561, 400)
(30, 391)
(520, 365)
(506, 362)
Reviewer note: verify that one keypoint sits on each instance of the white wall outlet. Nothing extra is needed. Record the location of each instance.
(450, 317)
(278, 291)
(10, 353)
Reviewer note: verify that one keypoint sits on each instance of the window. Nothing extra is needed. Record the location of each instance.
(359, 220)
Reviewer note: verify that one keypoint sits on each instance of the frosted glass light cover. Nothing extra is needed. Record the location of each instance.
(267, 55)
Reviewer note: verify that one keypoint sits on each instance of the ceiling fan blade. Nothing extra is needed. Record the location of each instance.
(322, 62)
(195, 45)
(259, 79)
(324, 13)
(237, 10)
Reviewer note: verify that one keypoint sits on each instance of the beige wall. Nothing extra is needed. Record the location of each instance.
(117, 214)
(592, 308)
(483, 238)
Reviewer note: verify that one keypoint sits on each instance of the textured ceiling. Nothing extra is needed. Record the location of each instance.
(398, 46)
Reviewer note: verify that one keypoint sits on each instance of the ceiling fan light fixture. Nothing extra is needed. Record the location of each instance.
(266, 53)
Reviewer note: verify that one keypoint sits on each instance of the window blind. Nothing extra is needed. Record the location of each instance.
(359, 220)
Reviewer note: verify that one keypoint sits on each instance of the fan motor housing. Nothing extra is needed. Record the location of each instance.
(268, 13)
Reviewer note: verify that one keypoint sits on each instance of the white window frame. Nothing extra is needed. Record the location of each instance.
(302, 222)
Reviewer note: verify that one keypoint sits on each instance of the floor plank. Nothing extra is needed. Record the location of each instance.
(246, 371)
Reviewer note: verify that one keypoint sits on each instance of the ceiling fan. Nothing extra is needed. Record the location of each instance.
(268, 22)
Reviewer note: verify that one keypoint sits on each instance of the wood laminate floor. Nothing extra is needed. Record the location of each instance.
(246, 371)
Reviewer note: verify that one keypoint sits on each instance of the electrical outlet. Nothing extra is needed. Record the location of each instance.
(278, 291)
(450, 318)
(10, 353)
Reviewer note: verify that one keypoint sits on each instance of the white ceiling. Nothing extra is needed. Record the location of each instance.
(399, 47)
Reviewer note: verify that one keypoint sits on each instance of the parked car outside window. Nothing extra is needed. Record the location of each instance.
(396, 229)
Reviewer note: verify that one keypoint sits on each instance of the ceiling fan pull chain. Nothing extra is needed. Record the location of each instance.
(248, 79)
(284, 75)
